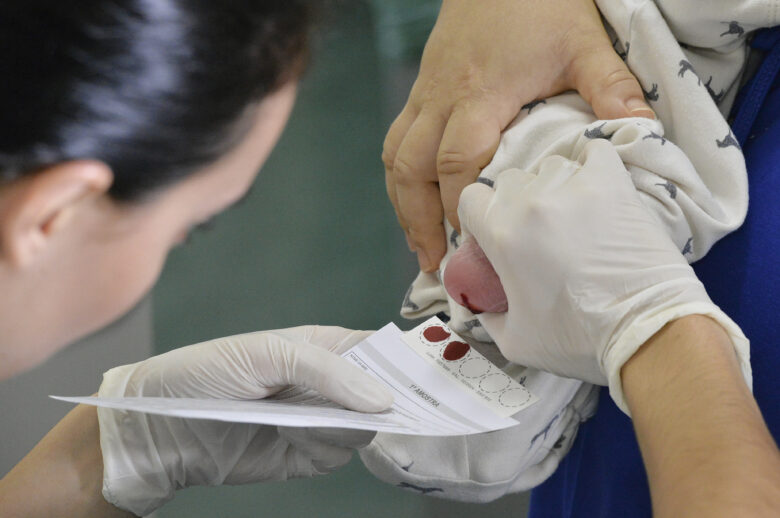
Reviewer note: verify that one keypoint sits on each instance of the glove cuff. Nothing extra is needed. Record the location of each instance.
(645, 326)
(134, 477)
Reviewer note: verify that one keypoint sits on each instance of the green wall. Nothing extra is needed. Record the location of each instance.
(315, 242)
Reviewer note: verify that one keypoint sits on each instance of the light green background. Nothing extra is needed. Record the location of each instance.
(315, 242)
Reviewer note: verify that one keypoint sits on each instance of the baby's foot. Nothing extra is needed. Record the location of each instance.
(471, 280)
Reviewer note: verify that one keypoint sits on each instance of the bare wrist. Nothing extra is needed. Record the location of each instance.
(62, 475)
(704, 443)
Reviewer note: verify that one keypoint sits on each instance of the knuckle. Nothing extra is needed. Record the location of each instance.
(449, 162)
(538, 211)
(404, 172)
(620, 77)
(470, 79)
(595, 68)
(421, 228)
(389, 151)
(424, 232)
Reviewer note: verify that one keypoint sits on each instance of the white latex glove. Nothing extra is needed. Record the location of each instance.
(147, 457)
(588, 272)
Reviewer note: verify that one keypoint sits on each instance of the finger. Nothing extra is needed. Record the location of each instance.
(333, 338)
(604, 167)
(417, 190)
(513, 181)
(332, 376)
(308, 449)
(336, 339)
(469, 142)
(604, 80)
(324, 466)
(494, 324)
(395, 136)
(601, 156)
(554, 171)
(344, 437)
(472, 209)
(269, 361)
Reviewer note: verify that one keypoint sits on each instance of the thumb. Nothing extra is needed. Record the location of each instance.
(334, 377)
(472, 209)
(606, 83)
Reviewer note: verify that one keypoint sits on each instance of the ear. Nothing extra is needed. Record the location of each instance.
(36, 207)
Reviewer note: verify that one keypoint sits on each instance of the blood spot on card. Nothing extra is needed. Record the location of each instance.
(436, 334)
(455, 351)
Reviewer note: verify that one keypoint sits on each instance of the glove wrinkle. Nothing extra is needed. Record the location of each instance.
(147, 457)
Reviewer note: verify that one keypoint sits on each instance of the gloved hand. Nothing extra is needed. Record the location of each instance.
(588, 272)
(147, 457)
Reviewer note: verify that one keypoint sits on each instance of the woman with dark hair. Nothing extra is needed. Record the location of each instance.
(126, 123)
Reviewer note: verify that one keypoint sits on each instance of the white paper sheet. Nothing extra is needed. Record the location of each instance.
(441, 387)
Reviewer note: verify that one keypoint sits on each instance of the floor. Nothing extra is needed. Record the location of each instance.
(315, 242)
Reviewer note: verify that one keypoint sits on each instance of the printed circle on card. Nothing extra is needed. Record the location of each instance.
(514, 397)
(494, 382)
(435, 335)
(453, 356)
(474, 368)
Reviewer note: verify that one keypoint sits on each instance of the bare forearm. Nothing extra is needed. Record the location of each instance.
(62, 475)
(705, 445)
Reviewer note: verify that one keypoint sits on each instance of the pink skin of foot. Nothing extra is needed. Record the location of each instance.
(472, 282)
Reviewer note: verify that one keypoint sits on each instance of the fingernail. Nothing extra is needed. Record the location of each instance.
(410, 243)
(639, 108)
(426, 264)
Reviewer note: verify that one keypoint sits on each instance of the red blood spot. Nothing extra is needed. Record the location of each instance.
(455, 351)
(465, 303)
(436, 334)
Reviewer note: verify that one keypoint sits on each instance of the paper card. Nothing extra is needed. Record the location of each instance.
(438, 344)
(439, 390)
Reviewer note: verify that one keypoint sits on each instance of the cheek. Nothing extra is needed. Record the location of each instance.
(127, 272)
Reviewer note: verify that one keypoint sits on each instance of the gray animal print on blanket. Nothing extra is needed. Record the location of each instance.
(652, 95)
(670, 188)
(686, 66)
(654, 135)
(454, 238)
(486, 181)
(688, 248)
(734, 28)
(408, 301)
(727, 141)
(533, 104)
(717, 97)
(597, 132)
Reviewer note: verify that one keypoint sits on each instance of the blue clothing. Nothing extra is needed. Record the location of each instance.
(603, 475)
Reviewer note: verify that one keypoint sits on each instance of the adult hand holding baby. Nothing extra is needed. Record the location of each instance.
(589, 274)
(481, 66)
(147, 457)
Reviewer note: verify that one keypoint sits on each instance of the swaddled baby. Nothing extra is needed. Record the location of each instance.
(689, 172)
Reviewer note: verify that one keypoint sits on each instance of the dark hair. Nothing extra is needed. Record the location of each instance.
(154, 88)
